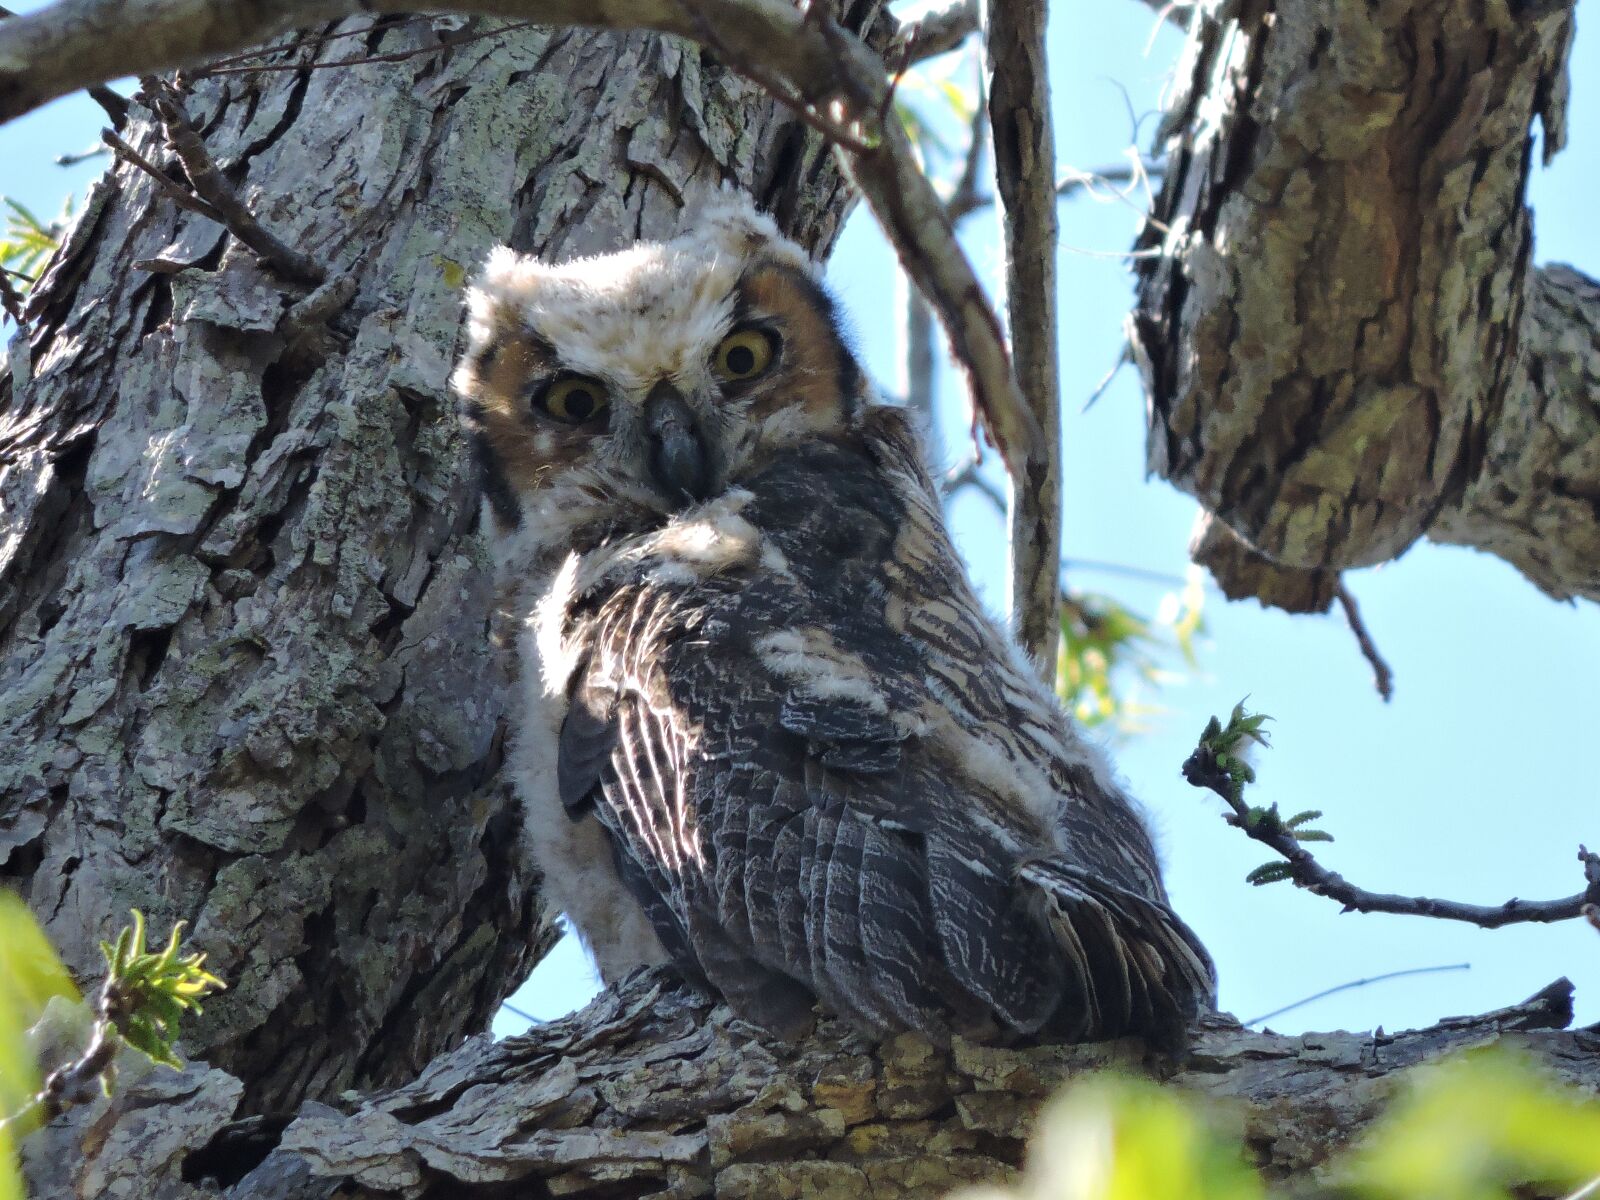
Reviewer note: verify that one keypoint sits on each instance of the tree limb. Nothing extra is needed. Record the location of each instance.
(653, 1091)
(1343, 342)
(936, 32)
(210, 186)
(1214, 766)
(1023, 145)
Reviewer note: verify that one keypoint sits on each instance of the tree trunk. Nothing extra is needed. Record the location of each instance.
(1344, 343)
(246, 677)
(653, 1092)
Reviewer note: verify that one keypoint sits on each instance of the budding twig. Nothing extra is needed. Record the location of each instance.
(1218, 765)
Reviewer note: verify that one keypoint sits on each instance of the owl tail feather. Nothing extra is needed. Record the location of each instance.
(1131, 965)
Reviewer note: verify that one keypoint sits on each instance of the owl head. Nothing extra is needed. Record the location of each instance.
(615, 391)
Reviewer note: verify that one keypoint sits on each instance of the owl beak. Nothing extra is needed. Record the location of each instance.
(677, 451)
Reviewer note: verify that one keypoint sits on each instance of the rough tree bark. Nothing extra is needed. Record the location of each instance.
(1343, 339)
(650, 1092)
(245, 672)
(246, 678)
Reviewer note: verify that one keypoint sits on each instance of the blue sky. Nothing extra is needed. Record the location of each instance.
(1474, 784)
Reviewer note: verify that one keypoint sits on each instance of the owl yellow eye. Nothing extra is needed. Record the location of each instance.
(574, 399)
(744, 355)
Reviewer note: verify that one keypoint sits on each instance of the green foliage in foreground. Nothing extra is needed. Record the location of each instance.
(31, 974)
(1109, 654)
(145, 994)
(26, 243)
(1485, 1125)
(153, 989)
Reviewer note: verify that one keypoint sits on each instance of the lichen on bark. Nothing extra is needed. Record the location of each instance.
(1344, 342)
(246, 677)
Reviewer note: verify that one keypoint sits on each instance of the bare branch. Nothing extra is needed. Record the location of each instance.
(968, 475)
(1024, 158)
(1209, 767)
(217, 192)
(171, 188)
(446, 43)
(73, 158)
(921, 365)
(1382, 676)
(968, 198)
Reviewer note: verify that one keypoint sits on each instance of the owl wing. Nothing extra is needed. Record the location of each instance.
(769, 835)
(744, 739)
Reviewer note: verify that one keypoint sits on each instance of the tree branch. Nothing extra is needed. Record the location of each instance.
(936, 32)
(1023, 144)
(210, 186)
(1341, 304)
(1214, 765)
(653, 1091)
(1382, 676)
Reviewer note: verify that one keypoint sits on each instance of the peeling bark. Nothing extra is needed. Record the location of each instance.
(246, 676)
(1344, 344)
(653, 1092)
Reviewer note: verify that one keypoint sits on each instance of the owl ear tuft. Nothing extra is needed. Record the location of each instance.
(498, 295)
(730, 220)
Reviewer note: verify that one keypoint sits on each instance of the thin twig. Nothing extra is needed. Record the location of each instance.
(79, 156)
(1202, 769)
(447, 43)
(1355, 983)
(776, 87)
(301, 43)
(921, 357)
(178, 194)
(517, 1012)
(216, 191)
(967, 198)
(1382, 676)
(968, 475)
(1165, 578)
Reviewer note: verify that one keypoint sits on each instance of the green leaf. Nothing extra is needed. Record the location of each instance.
(31, 974)
(10, 1175)
(1484, 1125)
(1112, 1138)
(156, 988)
(28, 243)
(1300, 818)
(1272, 872)
(1312, 835)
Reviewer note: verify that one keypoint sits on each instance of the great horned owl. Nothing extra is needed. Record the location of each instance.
(770, 735)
